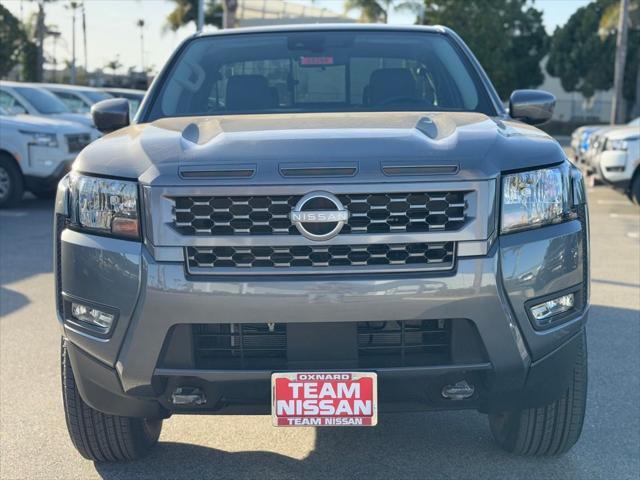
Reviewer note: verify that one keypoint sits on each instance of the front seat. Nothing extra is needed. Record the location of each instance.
(388, 83)
(248, 92)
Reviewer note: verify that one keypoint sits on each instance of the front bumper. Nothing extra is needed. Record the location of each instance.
(523, 366)
(615, 169)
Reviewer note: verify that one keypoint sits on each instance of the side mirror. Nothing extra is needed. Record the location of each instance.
(532, 106)
(110, 115)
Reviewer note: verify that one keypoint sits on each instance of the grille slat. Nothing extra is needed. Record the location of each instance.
(379, 345)
(210, 259)
(369, 213)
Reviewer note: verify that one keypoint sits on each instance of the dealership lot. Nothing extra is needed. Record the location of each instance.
(34, 441)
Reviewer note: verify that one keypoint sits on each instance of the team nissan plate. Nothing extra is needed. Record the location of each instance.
(322, 224)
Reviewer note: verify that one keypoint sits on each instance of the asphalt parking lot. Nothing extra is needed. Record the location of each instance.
(34, 442)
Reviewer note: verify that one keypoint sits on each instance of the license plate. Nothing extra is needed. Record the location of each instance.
(324, 399)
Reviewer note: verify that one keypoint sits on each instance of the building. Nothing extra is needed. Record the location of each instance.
(253, 13)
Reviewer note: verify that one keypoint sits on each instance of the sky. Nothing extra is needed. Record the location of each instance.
(112, 32)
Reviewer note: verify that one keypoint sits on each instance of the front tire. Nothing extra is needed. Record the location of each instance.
(550, 430)
(635, 189)
(101, 437)
(11, 182)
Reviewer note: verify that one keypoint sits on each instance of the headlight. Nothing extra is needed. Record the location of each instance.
(616, 145)
(41, 138)
(535, 198)
(104, 205)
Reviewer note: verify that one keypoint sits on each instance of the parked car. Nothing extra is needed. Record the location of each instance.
(580, 141)
(78, 99)
(134, 96)
(21, 98)
(322, 223)
(35, 152)
(597, 140)
(619, 160)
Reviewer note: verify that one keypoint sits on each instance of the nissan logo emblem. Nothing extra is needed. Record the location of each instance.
(319, 216)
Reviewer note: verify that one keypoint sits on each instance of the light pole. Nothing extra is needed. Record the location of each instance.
(617, 107)
(73, 47)
(56, 36)
(73, 6)
(140, 24)
(84, 41)
(200, 25)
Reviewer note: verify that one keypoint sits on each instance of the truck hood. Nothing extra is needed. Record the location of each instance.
(480, 147)
(81, 118)
(43, 124)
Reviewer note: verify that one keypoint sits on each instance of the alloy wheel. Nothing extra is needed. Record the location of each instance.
(5, 183)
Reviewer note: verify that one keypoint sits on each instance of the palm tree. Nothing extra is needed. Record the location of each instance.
(377, 11)
(371, 11)
(113, 65)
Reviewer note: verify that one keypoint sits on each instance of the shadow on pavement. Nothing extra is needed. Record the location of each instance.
(436, 445)
(26, 247)
(11, 301)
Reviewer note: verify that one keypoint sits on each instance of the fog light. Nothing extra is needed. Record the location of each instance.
(94, 317)
(543, 312)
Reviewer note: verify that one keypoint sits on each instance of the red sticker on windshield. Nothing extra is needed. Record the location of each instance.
(316, 60)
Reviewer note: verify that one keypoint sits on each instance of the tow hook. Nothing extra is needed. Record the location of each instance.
(188, 396)
(458, 391)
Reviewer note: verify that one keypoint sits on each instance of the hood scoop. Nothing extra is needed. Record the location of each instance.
(394, 169)
(203, 172)
(191, 133)
(428, 127)
(307, 170)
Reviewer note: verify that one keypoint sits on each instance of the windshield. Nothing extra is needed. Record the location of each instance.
(320, 72)
(42, 101)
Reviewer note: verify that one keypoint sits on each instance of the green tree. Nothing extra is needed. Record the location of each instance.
(12, 41)
(582, 52)
(29, 61)
(371, 11)
(377, 11)
(507, 36)
(579, 56)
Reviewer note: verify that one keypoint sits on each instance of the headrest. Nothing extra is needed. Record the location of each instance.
(248, 92)
(387, 83)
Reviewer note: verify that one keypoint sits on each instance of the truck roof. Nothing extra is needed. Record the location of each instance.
(318, 27)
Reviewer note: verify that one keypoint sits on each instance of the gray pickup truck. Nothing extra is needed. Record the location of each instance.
(322, 224)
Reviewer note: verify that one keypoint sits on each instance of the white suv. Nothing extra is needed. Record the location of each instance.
(35, 152)
(16, 98)
(619, 160)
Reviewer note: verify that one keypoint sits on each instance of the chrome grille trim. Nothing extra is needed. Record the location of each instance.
(165, 243)
(320, 259)
(373, 213)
